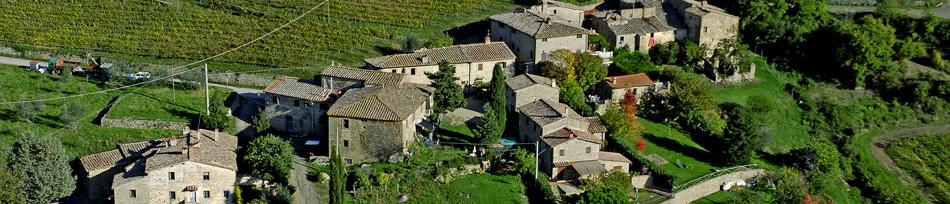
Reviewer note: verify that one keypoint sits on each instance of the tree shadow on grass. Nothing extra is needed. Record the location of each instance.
(9, 115)
(446, 135)
(386, 50)
(51, 121)
(676, 146)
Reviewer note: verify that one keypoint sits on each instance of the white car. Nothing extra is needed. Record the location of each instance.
(139, 75)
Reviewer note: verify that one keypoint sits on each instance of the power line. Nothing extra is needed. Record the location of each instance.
(179, 67)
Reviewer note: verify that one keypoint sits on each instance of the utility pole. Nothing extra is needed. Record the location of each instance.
(207, 95)
(537, 157)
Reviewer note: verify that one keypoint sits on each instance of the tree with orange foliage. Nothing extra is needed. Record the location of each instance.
(641, 145)
(816, 199)
(629, 105)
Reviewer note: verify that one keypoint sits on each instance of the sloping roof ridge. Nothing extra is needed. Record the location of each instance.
(385, 104)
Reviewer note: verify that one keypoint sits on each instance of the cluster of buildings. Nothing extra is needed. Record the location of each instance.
(375, 113)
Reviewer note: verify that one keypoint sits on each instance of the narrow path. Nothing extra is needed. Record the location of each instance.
(879, 144)
(941, 12)
(711, 186)
(15, 61)
(305, 188)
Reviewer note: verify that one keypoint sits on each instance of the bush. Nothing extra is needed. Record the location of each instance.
(219, 118)
(665, 53)
(908, 49)
(270, 158)
(43, 164)
(631, 62)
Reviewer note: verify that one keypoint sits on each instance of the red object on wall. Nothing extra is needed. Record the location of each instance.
(652, 42)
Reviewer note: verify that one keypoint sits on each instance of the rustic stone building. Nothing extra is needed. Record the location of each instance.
(296, 106)
(705, 24)
(638, 84)
(637, 24)
(376, 123)
(344, 78)
(570, 13)
(473, 62)
(545, 116)
(533, 35)
(197, 167)
(574, 154)
(527, 88)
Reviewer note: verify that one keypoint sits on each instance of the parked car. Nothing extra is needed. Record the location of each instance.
(139, 75)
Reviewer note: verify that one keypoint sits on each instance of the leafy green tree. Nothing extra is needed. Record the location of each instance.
(43, 165)
(525, 161)
(270, 158)
(691, 104)
(572, 94)
(866, 49)
(411, 44)
(337, 178)
(10, 186)
(936, 60)
(908, 49)
(219, 118)
(691, 53)
(790, 188)
(599, 42)
(498, 95)
(261, 121)
(613, 179)
(618, 123)
(743, 135)
(71, 114)
(550, 70)
(490, 128)
(631, 62)
(732, 57)
(448, 94)
(28, 110)
(238, 199)
(665, 53)
(603, 195)
(283, 194)
(589, 70)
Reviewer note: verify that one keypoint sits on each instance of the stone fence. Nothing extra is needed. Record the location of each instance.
(243, 79)
(137, 123)
(711, 186)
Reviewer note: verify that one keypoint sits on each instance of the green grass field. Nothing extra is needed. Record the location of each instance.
(19, 84)
(672, 145)
(179, 105)
(477, 188)
(925, 158)
(339, 31)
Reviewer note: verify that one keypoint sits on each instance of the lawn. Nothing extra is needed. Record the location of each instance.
(18, 84)
(925, 158)
(785, 121)
(672, 145)
(477, 188)
(338, 31)
(461, 133)
(166, 104)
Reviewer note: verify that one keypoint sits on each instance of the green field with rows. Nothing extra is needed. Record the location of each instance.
(339, 31)
(925, 158)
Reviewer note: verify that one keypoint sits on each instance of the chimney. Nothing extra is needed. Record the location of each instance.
(544, 5)
(424, 59)
(488, 37)
(215, 136)
(553, 83)
(564, 115)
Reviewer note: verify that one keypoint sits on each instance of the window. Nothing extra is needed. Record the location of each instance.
(171, 195)
(346, 123)
(651, 35)
(705, 29)
(274, 99)
(588, 150)
(544, 39)
(504, 65)
(206, 176)
(132, 194)
(207, 194)
(412, 71)
(394, 71)
(171, 176)
(349, 161)
(297, 103)
(480, 67)
(555, 11)
(346, 143)
(560, 152)
(621, 38)
(619, 168)
(580, 36)
(227, 194)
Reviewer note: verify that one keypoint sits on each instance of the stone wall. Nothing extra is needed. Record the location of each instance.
(136, 123)
(711, 186)
(244, 79)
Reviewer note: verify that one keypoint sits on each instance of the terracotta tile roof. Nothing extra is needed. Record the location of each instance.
(297, 88)
(100, 161)
(629, 81)
(596, 125)
(545, 111)
(469, 53)
(157, 154)
(567, 134)
(590, 167)
(613, 156)
(387, 103)
(538, 25)
(367, 76)
(527, 80)
(643, 26)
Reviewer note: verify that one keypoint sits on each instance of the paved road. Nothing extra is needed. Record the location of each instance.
(711, 186)
(942, 12)
(15, 61)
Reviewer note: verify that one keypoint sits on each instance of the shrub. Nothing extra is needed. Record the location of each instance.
(43, 164)
(270, 158)
(631, 62)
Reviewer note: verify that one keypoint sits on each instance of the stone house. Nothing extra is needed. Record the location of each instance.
(638, 84)
(342, 78)
(544, 116)
(376, 123)
(296, 106)
(473, 62)
(570, 154)
(637, 24)
(705, 24)
(197, 167)
(571, 13)
(533, 35)
(527, 88)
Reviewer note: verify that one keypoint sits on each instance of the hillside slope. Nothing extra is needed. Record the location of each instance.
(341, 31)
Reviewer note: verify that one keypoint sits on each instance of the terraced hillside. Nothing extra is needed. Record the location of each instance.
(341, 30)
